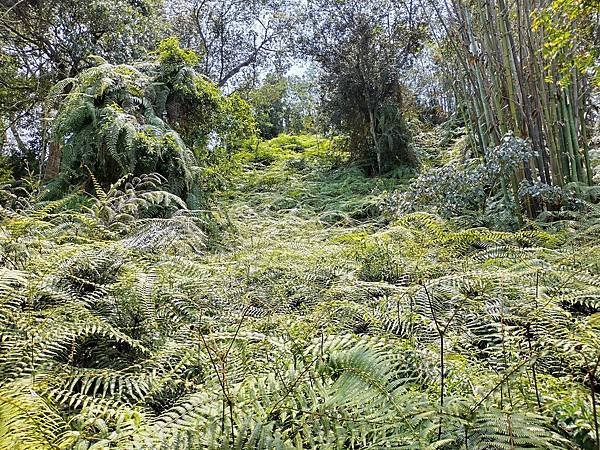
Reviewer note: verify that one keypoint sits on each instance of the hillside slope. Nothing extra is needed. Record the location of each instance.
(316, 320)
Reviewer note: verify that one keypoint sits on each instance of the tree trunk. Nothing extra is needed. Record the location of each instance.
(53, 163)
(375, 140)
(20, 144)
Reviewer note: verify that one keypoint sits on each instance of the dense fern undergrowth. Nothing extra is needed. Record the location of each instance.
(314, 319)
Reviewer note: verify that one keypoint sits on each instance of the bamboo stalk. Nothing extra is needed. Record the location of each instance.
(509, 86)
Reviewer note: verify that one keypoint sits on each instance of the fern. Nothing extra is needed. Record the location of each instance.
(120, 329)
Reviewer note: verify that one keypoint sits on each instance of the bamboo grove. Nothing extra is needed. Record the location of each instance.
(518, 76)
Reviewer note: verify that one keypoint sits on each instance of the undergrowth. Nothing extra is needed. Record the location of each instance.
(308, 176)
(320, 322)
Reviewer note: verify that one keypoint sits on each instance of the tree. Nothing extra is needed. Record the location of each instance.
(152, 117)
(237, 38)
(54, 38)
(283, 104)
(573, 31)
(46, 41)
(362, 48)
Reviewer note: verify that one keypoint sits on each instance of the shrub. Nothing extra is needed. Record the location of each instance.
(484, 190)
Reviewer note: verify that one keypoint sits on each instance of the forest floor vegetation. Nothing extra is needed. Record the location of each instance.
(315, 318)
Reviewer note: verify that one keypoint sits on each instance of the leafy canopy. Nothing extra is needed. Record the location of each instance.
(152, 117)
